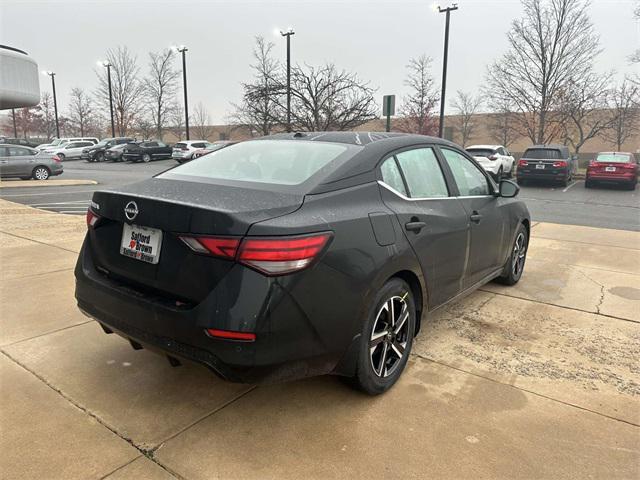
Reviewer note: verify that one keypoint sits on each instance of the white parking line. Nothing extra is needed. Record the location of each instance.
(570, 185)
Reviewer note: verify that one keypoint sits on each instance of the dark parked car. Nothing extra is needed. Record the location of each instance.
(299, 254)
(146, 151)
(613, 167)
(97, 152)
(18, 141)
(26, 163)
(546, 162)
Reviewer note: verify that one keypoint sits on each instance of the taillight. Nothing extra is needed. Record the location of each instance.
(492, 157)
(523, 163)
(271, 256)
(277, 256)
(629, 166)
(223, 247)
(92, 218)
(560, 164)
(56, 158)
(593, 163)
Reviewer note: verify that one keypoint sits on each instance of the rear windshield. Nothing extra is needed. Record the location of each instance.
(280, 162)
(543, 153)
(614, 158)
(180, 145)
(481, 152)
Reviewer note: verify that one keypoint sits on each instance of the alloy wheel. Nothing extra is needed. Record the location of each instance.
(389, 336)
(41, 173)
(519, 253)
(146, 158)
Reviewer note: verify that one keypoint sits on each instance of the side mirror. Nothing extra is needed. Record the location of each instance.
(508, 189)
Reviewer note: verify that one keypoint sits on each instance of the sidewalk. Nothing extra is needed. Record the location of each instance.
(52, 182)
(539, 380)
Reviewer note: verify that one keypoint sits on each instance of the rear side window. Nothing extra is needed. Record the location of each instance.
(543, 153)
(180, 145)
(281, 162)
(470, 180)
(422, 173)
(391, 175)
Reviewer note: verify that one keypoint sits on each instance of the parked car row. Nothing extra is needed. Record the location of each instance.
(26, 163)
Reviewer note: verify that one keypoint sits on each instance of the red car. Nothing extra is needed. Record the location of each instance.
(615, 167)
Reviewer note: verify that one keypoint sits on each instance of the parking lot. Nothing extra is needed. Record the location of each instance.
(538, 380)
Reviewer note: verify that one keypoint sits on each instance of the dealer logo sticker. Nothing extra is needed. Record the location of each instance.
(131, 210)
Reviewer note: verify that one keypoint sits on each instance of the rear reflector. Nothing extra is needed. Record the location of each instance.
(246, 336)
(223, 247)
(92, 218)
(277, 256)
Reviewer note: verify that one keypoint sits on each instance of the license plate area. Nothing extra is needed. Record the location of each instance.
(609, 169)
(141, 243)
(540, 166)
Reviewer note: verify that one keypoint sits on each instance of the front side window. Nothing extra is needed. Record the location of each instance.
(282, 162)
(391, 176)
(470, 180)
(422, 173)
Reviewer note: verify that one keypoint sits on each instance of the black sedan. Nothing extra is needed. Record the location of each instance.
(146, 151)
(299, 254)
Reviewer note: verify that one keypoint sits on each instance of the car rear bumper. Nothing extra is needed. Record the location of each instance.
(287, 344)
(608, 177)
(548, 174)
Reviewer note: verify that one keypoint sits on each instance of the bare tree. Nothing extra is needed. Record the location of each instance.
(551, 46)
(418, 110)
(145, 127)
(625, 114)
(466, 107)
(261, 107)
(176, 121)
(501, 124)
(202, 122)
(583, 106)
(80, 112)
(324, 98)
(161, 86)
(47, 118)
(126, 86)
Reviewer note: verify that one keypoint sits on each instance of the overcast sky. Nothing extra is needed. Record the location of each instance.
(373, 38)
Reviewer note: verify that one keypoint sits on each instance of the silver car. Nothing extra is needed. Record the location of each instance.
(26, 163)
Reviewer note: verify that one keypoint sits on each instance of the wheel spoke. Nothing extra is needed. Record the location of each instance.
(383, 360)
(403, 319)
(398, 349)
(377, 337)
(392, 314)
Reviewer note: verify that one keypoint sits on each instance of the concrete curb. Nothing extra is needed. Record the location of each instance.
(45, 183)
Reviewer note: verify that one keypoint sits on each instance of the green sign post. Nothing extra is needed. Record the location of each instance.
(388, 108)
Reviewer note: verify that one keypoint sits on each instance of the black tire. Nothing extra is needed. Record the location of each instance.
(41, 173)
(99, 157)
(513, 268)
(588, 183)
(632, 185)
(373, 379)
(146, 158)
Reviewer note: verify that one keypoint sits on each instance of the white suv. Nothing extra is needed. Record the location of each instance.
(59, 142)
(495, 159)
(183, 151)
(69, 150)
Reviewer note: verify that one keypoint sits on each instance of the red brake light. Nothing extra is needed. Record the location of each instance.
(561, 163)
(522, 163)
(277, 256)
(629, 166)
(593, 163)
(223, 247)
(492, 157)
(228, 334)
(56, 158)
(92, 218)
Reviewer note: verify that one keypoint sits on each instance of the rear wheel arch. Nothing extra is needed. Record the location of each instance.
(418, 291)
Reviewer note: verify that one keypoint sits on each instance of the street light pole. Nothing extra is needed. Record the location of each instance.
(15, 126)
(448, 11)
(55, 100)
(288, 34)
(182, 49)
(108, 66)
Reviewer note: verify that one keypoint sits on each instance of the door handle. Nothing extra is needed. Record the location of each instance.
(415, 226)
(475, 217)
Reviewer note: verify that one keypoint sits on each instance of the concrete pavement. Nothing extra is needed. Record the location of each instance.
(539, 380)
(45, 183)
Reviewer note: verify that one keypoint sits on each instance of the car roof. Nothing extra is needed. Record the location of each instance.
(492, 147)
(614, 153)
(548, 146)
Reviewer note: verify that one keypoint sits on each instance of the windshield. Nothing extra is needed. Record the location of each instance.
(614, 158)
(480, 152)
(282, 162)
(56, 142)
(543, 153)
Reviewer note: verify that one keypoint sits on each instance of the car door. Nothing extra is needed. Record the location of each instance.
(163, 150)
(434, 222)
(21, 161)
(72, 150)
(4, 161)
(475, 191)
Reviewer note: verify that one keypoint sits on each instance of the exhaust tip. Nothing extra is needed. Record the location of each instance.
(174, 362)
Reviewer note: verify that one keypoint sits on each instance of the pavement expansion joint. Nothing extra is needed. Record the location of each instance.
(562, 306)
(573, 405)
(38, 241)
